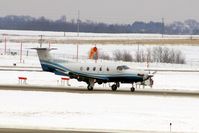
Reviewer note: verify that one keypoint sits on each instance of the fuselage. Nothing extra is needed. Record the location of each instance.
(104, 71)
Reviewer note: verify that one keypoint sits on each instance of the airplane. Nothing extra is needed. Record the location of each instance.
(92, 73)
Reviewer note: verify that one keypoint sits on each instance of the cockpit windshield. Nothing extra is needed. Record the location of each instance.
(123, 67)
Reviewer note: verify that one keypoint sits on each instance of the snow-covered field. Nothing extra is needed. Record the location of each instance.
(60, 35)
(98, 111)
(101, 111)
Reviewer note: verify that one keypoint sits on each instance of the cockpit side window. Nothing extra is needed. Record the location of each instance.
(124, 67)
(119, 68)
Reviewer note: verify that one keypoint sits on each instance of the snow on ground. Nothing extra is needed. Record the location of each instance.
(98, 111)
(17, 33)
(162, 80)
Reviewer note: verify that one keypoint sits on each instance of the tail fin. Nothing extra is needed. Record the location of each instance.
(43, 53)
(44, 57)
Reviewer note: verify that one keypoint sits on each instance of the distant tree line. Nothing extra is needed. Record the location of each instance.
(12, 22)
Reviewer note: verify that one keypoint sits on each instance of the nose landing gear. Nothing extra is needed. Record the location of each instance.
(132, 88)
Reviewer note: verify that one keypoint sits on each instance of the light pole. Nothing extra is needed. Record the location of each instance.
(162, 27)
(78, 34)
(5, 44)
(41, 40)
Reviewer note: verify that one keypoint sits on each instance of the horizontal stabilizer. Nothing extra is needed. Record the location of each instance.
(44, 49)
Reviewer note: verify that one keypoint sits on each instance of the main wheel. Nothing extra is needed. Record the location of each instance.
(90, 88)
(118, 84)
(114, 87)
(132, 89)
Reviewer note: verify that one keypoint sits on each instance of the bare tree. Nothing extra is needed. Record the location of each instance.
(117, 55)
(127, 56)
(148, 55)
(160, 54)
(171, 56)
(179, 58)
(122, 55)
(137, 56)
(165, 57)
(104, 56)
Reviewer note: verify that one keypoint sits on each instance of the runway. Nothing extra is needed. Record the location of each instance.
(23, 130)
(158, 92)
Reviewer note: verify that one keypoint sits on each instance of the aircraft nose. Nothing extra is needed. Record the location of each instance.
(141, 75)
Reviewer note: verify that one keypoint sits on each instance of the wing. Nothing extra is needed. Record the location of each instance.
(85, 77)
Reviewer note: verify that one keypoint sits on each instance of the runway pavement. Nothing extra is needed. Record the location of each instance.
(158, 92)
(29, 130)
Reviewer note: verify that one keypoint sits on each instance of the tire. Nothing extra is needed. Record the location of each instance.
(132, 89)
(100, 83)
(90, 88)
(114, 87)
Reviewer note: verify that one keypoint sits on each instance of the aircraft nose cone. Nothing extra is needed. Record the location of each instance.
(140, 74)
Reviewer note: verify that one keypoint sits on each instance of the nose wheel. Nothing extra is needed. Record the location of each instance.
(132, 88)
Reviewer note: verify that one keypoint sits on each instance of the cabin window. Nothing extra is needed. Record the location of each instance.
(87, 68)
(107, 69)
(94, 68)
(100, 68)
(81, 68)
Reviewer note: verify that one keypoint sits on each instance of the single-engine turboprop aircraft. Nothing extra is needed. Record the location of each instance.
(91, 73)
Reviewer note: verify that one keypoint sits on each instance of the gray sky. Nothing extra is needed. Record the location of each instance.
(111, 11)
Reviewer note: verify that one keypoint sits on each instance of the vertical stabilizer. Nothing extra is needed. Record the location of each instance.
(44, 53)
(45, 58)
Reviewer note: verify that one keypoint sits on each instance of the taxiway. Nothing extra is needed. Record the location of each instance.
(159, 92)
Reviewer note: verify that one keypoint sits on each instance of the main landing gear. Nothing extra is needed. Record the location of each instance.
(91, 84)
(115, 86)
(89, 87)
(132, 89)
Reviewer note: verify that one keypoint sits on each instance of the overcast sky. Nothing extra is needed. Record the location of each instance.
(111, 11)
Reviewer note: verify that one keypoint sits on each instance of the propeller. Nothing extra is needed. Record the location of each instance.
(152, 74)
